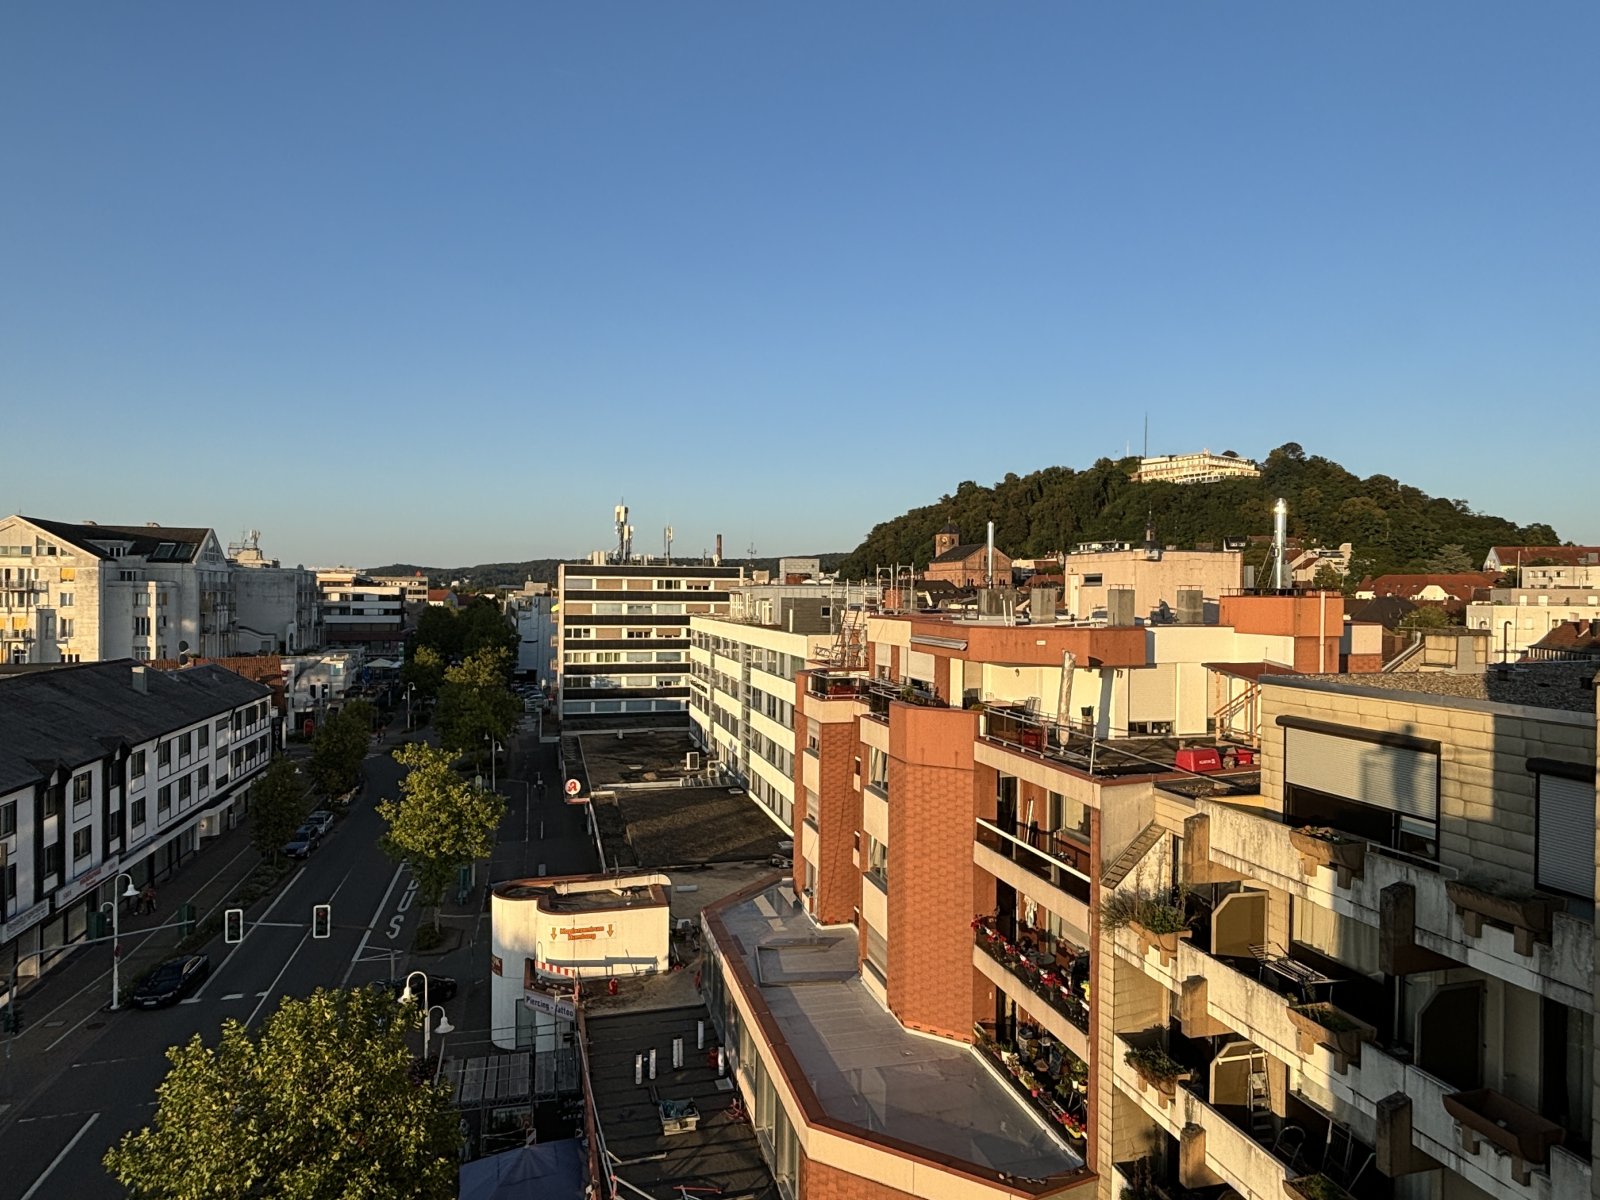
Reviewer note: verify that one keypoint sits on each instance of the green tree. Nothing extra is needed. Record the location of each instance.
(1451, 559)
(441, 823)
(339, 747)
(440, 629)
(1428, 616)
(277, 807)
(474, 700)
(424, 671)
(322, 1107)
(1327, 578)
(484, 627)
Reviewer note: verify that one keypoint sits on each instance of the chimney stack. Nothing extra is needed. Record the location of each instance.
(141, 679)
(716, 559)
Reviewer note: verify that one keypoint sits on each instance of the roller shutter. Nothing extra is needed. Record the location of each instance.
(1401, 780)
(919, 665)
(1566, 835)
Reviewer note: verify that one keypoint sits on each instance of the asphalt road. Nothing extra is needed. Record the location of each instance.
(102, 1082)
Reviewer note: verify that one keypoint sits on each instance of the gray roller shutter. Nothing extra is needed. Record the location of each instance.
(1566, 835)
(919, 665)
(1403, 781)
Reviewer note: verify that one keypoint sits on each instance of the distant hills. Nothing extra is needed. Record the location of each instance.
(1393, 527)
(543, 570)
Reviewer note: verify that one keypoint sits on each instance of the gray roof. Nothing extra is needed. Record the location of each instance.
(1563, 686)
(76, 714)
(146, 539)
(963, 552)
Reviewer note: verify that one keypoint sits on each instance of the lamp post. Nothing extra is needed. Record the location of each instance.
(494, 748)
(1505, 641)
(116, 935)
(410, 687)
(427, 1010)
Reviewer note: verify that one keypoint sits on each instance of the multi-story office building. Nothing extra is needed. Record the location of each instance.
(1204, 467)
(108, 768)
(87, 592)
(1180, 960)
(278, 609)
(623, 636)
(358, 612)
(1516, 618)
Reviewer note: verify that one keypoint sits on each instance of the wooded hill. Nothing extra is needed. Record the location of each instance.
(543, 570)
(1393, 527)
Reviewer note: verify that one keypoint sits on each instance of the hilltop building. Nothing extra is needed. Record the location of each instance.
(966, 564)
(1204, 467)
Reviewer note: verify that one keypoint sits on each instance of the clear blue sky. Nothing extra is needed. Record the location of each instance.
(441, 282)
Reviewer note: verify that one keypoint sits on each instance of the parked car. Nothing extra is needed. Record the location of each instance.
(440, 988)
(321, 821)
(172, 981)
(301, 844)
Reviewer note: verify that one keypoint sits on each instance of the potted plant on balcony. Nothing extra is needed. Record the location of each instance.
(1320, 846)
(1155, 922)
(1157, 1070)
(1314, 1187)
(1324, 1024)
(1526, 912)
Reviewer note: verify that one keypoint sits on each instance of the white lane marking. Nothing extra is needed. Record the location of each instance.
(234, 996)
(402, 906)
(190, 1000)
(251, 1019)
(56, 1162)
(249, 929)
(101, 1062)
(373, 924)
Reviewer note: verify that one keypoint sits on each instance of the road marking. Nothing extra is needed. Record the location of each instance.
(56, 1162)
(373, 924)
(101, 1062)
(190, 1000)
(250, 1020)
(234, 996)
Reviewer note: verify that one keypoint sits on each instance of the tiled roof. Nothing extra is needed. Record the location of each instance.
(1569, 556)
(71, 715)
(146, 539)
(963, 552)
(1571, 635)
(1460, 585)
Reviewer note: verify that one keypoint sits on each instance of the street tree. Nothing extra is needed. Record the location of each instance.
(1327, 578)
(441, 824)
(484, 626)
(424, 671)
(322, 1107)
(474, 700)
(339, 747)
(277, 807)
(439, 629)
(1428, 616)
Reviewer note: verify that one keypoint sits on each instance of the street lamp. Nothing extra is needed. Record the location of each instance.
(410, 687)
(494, 748)
(408, 996)
(116, 935)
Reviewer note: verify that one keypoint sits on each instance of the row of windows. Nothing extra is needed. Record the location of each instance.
(584, 657)
(581, 632)
(575, 583)
(578, 708)
(773, 662)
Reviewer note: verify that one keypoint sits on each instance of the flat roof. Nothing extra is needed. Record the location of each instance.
(720, 1152)
(677, 827)
(638, 756)
(865, 1068)
(1564, 686)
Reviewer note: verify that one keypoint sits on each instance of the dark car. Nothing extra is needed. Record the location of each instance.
(440, 988)
(172, 981)
(301, 844)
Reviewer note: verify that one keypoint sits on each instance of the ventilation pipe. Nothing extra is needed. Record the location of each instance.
(716, 559)
(991, 554)
(1280, 545)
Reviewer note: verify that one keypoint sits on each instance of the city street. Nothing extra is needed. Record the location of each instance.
(99, 1081)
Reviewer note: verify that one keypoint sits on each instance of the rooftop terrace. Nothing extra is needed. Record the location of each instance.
(865, 1069)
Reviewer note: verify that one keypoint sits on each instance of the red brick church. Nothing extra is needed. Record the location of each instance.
(965, 564)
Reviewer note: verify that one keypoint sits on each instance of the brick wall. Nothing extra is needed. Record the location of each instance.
(818, 1181)
(838, 820)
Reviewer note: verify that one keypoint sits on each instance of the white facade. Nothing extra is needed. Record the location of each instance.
(546, 934)
(1519, 617)
(1204, 467)
(130, 772)
(533, 613)
(741, 704)
(312, 681)
(278, 609)
(358, 612)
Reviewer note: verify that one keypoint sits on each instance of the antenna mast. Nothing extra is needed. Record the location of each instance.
(666, 536)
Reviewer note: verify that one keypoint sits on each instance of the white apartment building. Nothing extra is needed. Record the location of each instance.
(413, 588)
(622, 640)
(1519, 617)
(108, 768)
(277, 608)
(532, 611)
(88, 592)
(358, 612)
(1204, 467)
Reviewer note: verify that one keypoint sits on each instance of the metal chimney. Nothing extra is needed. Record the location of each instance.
(716, 560)
(991, 554)
(1280, 545)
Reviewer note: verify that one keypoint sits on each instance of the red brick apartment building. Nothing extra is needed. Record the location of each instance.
(917, 1011)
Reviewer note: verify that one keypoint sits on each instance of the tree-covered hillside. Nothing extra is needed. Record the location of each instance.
(543, 570)
(1393, 527)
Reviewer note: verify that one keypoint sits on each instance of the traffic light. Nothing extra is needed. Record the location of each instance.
(233, 926)
(321, 920)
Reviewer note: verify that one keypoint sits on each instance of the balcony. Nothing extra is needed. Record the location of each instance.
(1045, 1075)
(1058, 976)
(1025, 857)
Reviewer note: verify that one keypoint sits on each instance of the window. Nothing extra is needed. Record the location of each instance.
(52, 803)
(164, 753)
(8, 819)
(52, 859)
(203, 736)
(66, 600)
(66, 627)
(1093, 580)
(82, 792)
(164, 801)
(141, 626)
(185, 744)
(1564, 845)
(138, 811)
(8, 884)
(185, 790)
(205, 776)
(82, 843)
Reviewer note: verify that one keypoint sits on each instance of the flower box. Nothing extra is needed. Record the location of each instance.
(1327, 848)
(1165, 942)
(1483, 1114)
(1528, 915)
(1314, 1187)
(1324, 1024)
(1158, 1072)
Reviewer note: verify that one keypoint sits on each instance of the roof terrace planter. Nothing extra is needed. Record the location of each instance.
(1483, 1114)
(1314, 1187)
(1159, 1072)
(1319, 846)
(1324, 1024)
(1526, 913)
(1156, 923)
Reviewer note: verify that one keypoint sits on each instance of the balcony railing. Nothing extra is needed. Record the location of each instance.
(1053, 855)
(1049, 1077)
(1045, 975)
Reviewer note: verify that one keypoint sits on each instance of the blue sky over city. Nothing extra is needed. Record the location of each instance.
(441, 283)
